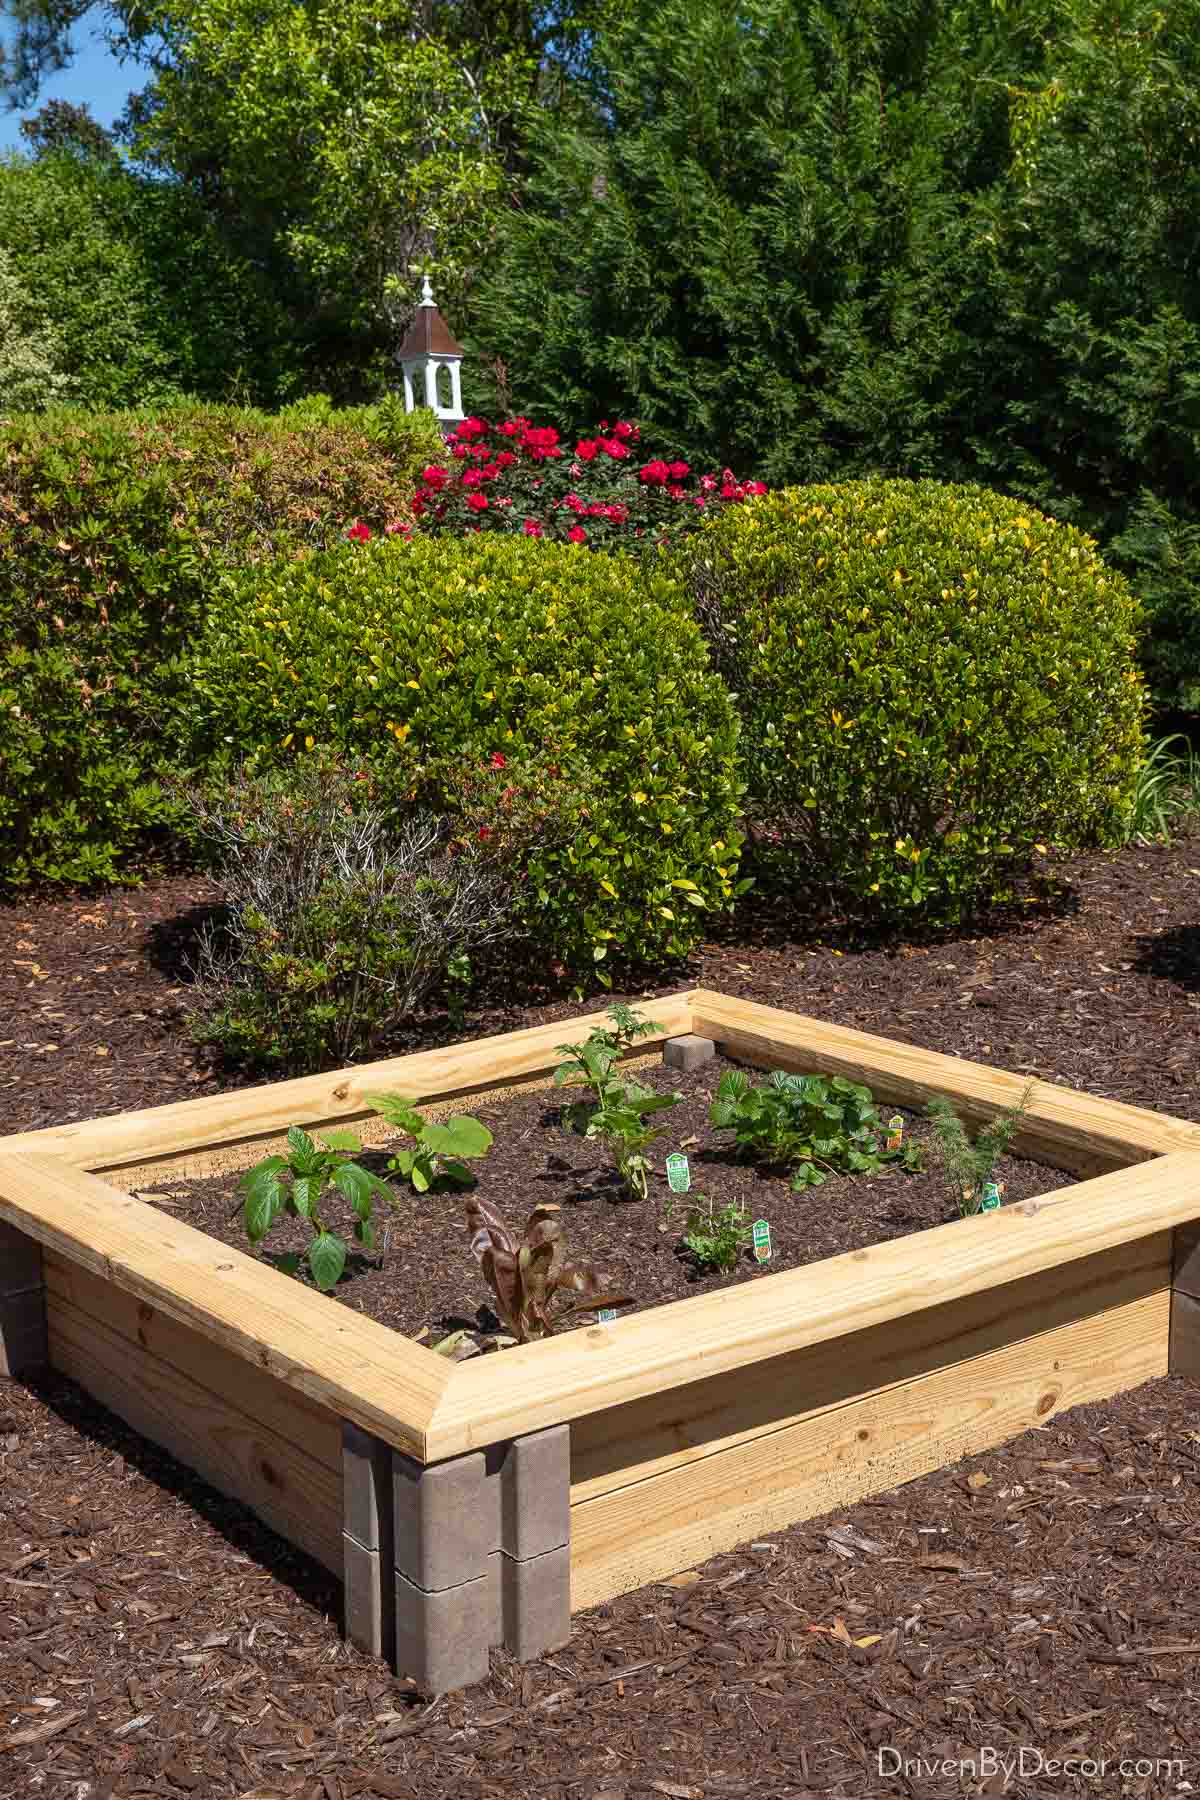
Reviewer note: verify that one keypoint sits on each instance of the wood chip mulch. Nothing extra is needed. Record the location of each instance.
(155, 1640)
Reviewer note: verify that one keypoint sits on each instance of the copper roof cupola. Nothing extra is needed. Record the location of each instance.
(429, 349)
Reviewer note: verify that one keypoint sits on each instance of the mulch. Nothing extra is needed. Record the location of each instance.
(155, 1639)
(424, 1279)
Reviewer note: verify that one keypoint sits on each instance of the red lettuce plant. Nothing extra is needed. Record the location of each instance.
(519, 478)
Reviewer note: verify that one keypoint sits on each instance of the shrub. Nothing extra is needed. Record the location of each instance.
(931, 680)
(479, 650)
(338, 927)
(519, 478)
(112, 529)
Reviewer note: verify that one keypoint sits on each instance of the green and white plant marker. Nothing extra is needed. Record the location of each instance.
(991, 1197)
(606, 1315)
(895, 1132)
(762, 1240)
(679, 1176)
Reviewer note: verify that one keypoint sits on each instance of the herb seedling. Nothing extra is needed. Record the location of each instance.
(439, 1150)
(814, 1124)
(617, 1111)
(715, 1239)
(534, 1287)
(294, 1184)
(968, 1165)
(594, 1060)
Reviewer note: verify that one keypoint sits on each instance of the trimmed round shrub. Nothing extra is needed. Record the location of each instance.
(113, 528)
(932, 680)
(458, 656)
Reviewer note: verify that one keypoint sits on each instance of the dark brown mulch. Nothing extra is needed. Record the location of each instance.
(1036, 1602)
(187, 1651)
(425, 1278)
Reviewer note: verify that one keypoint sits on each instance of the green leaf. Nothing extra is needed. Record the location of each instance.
(460, 1137)
(342, 1140)
(397, 1111)
(262, 1173)
(304, 1151)
(364, 1231)
(358, 1187)
(305, 1193)
(263, 1206)
(326, 1259)
(422, 1174)
(459, 1172)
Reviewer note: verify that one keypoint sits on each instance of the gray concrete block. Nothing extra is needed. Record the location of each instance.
(367, 1489)
(23, 1332)
(20, 1262)
(442, 1639)
(368, 1607)
(535, 1603)
(446, 1518)
(688, 1052)
(535, 1493)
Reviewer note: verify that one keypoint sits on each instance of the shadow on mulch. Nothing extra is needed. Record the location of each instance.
(241, 1530)
(1172, 955)
(173, 944)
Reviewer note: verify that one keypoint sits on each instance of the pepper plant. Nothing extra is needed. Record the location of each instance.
(293, 1186)
(816, 1125)
(439, 1152)
(534, 1287)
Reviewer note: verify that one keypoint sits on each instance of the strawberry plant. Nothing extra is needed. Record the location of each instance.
(439, 1152)
(534, 1287)
(293, 1185)
(816, 1125)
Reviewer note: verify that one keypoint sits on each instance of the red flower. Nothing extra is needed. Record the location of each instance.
(577, 535)
(499, 760)
(655, 473)
(472, 478)
(397, 528)
(680, 469)
(614, 447)
(755, 487)
(461, 450)
(587, 448)
(531, 528)
(504, 459)
(708, 483)
(622, 429)
(477, 502)
(485, 831)
(676, 492)
(574, 502)
(435, 476)
(359, 533)
(510, 428)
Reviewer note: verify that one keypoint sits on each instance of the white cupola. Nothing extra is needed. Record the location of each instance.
(426, 352)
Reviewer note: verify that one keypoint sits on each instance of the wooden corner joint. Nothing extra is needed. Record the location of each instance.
(1184, 1354)
(446, 1560)
(22, 1304)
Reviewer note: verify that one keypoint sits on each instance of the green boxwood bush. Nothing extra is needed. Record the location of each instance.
(462, 654)
(931, 679)
(113, 528)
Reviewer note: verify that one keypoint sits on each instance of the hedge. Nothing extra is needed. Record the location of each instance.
(458, 654)
(932, 681)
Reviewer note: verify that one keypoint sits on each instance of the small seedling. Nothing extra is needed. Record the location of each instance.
(969, 1165)
(593, 1061)
(619, 1123)
(440, 1151)
(293, 1185)
(715, 1239)
(534, 1287)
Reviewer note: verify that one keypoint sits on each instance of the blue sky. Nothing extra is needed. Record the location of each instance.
(94, 77)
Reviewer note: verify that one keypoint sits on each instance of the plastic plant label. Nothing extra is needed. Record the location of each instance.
(679, 1176)
(991, 1197)
(606, 1315)
(895, 1132)
(761, 1233)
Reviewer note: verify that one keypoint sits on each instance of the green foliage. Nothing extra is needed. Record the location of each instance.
(440, 1152)
(292, 1186)
(1168, 788)
(458, 652)
(969, 1165)
(618, 1111)
(816, 1125)
(31, 357)
(931, 680)
(534, 1287)
(716, 1238)
(593, 1060)
(112, 530)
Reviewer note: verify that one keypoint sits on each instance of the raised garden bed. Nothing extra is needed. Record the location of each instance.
(468, 1504)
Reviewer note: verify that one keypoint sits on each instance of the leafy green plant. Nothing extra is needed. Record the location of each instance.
(1168, 786)
(534, 1287)
(816, 1125)
(594, 1060)
(617, 1112)
(969, 1164)
(440, 1152)
(292, 1186)
(716, 1238)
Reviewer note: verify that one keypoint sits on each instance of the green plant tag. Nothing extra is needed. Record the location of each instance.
(679, 1176)
(762, 1241)
(991, 1197)
(895, 1132)
(606, 1315)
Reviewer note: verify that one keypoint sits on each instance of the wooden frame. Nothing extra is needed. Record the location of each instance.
(377, 1456)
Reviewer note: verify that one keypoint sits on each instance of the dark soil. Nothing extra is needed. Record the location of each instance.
(156, 1640)
(425, 1278)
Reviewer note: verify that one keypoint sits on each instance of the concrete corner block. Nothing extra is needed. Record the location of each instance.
(443, 1639)
(20, 1262)
(688, 1052)
(23, 1333)
(535, 1602)
(535, 1493)
(368, 1607)
(366, 1489)
(446, 1519)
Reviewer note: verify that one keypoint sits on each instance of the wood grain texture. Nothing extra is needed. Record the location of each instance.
(344, 1362)
(1063, 1126)
(654, 1528)
(161, 1134)
(623, 1444)
(272, 1475)
(668, 1347)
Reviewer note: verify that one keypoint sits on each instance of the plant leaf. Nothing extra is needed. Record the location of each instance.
(326, 1259)
(342, 1140)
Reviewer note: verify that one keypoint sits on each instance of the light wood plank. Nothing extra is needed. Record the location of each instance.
(1063, 1126)
(344, 1362)
(162, 1133)
(672, 1521)
(259, 1395)
(622, 1444)
(296, 1495)
(668, 1347)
